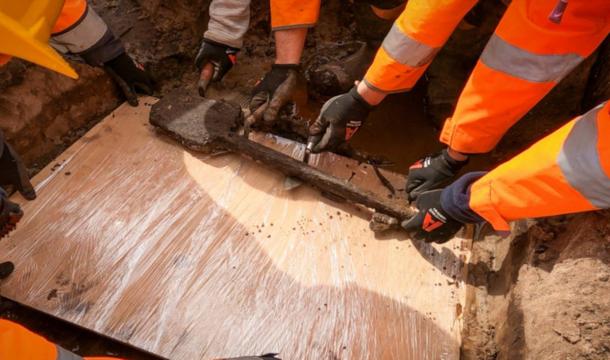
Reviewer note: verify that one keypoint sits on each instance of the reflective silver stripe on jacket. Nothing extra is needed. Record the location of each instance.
(502, 56)
(406, 50)
(63, 354)
(580, 164)
(87, 32)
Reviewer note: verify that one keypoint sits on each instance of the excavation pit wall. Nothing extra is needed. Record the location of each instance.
(543, 292)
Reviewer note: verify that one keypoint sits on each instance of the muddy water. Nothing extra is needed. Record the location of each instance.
(398, 129)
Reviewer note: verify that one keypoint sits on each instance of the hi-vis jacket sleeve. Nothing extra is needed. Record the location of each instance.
(290, 14)
(566, 172)
(527, 55)
(79, 30)
(18, 343)
(415, 38)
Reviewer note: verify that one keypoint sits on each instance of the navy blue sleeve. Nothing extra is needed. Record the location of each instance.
(455, 199)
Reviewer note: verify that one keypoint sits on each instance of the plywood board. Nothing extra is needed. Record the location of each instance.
(191, 256)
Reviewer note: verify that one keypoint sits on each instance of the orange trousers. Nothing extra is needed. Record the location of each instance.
(289, 14)
(18, 343)
(566, 172)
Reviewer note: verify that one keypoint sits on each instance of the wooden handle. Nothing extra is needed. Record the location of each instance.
(207, 72)
(313, 176)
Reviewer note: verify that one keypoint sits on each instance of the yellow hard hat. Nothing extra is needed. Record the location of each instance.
(25, 28)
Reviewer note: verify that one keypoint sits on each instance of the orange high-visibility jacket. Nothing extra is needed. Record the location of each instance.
(525, 58)
(18, 343)
(79, 30)
(566, 172)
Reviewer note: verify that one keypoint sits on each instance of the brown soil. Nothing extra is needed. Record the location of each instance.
(543, 293)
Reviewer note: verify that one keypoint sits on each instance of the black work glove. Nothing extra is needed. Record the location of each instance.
(339, 119)
(280, 86)
(432, 223)
(10, 214)
(130, 77)
(223, 58)
(13, 171)
(6, 268)
(431, 172)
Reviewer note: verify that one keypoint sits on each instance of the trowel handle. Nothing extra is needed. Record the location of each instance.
(319, 179)
(205, 77)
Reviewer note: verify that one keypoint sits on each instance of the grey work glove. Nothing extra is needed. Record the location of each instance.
(339, 119)
(280, 86)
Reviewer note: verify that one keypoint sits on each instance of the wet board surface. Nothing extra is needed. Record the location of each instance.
(193, 256)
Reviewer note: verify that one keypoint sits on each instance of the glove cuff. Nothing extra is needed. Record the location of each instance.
(296, 67)
(354, 93)
(455, 199)
(219, 44)
(108, 48)
(455, 165)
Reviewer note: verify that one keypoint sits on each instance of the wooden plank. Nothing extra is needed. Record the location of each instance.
(191, 256)
(200, 123)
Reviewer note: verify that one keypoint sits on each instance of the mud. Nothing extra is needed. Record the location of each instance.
(542, 293)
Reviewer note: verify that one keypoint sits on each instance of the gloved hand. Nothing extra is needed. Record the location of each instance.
(6, 268)
(283, 84)
(432, 223)
(130, 76)
(431, 172)
(10, 214)
(443, 212)
(13, 172)
(339, 119)
(223, 58)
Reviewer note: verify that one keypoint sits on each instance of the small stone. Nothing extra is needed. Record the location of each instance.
(570, 335)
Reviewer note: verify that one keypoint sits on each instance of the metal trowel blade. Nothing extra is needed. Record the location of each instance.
(291, 183)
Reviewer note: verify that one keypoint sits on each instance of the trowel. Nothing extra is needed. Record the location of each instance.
(291, 183)
(205, 77)
(209, 125)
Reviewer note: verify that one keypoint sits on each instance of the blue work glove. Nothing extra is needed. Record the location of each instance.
(443, 212)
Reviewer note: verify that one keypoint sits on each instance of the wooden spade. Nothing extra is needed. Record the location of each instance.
(210, 125)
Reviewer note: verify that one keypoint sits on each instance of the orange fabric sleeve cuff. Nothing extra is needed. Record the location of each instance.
(388, 76)
(72, 11)
(481, 201)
